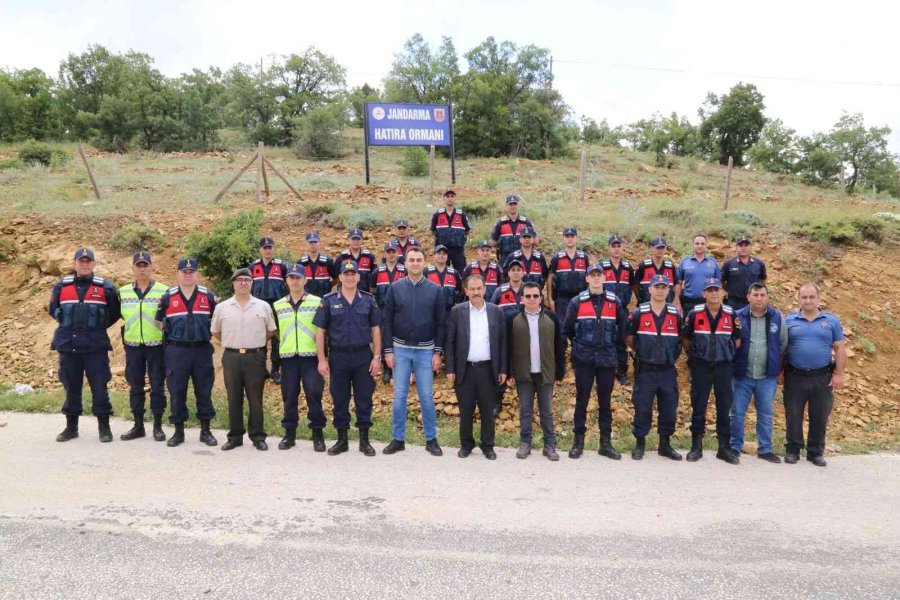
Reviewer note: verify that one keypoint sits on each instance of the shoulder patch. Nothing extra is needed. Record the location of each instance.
(648, 262)
(173, 289)
(727, 309)
(202, 289)
(67, 279)
(669, 307)
(492, 264)
(645, 307)
(503, 219)
(277, 261)
(585, 295)
(329, 295)
(611, 297)
(504, 287)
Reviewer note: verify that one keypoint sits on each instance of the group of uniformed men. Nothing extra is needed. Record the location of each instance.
(395, 311)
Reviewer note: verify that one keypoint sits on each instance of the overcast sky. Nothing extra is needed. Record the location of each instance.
(616, 60)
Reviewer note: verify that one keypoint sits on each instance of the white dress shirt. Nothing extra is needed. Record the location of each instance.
(479, 340)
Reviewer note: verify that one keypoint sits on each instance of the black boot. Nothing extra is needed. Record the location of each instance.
(71, 430)
(696, 451)
(206, 435)
(364, 446)
(727, 454)
(318, 439)
(289, 440)
(158, 434)
(606, 448)
(577, 446)
(178, 437)
(341, 446)
(103, 428)
(135, 432)
(665, 448)
(640, 444)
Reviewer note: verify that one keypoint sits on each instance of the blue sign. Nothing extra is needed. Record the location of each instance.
(408, 124)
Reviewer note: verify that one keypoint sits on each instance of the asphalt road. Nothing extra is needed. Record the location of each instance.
(140, 520)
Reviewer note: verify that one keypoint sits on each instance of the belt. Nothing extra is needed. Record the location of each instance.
(478, 363)
(810, 372)
(188, 344)
(349, 348)
(245, 350)
(652, 367)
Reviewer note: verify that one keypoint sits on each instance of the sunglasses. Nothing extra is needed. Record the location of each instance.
(531, 296)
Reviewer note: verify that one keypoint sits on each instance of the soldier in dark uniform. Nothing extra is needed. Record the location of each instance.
(84, 306)
(654, 332)
(350, 321)
(365, 261)
(185, 312)
(486, 268)
(450, 227)
(268, 284)
(509, 228)
(712, 334)
(404, 241)
(595, 323)
(447, 277)
(740, 272)
(532, 259)
(657, 264)
(319, 267)
(389, 271)
(567, 272)
(618, 276)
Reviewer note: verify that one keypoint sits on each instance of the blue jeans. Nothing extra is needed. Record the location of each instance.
(406, 362)
(763, 391)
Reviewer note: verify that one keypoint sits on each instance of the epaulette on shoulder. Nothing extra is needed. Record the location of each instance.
(493, 264)
(173, 289)
(448, 268)
(727, 309)
(611, 297)
(606, 262)
(645, 307)
(277, 261)
(258, 260)
(649, 262)
(517, 253)
(504, 218)
(562, 253)
(202, 289)
(329, 295)
(98, 279)
(67, 279)
(668, 263)
(669, 307)
(504, 287)
(625, 263)
(581, 253)
(585, 295)
(400, 267)
(365, 293)
(699, 308)
(537, 253)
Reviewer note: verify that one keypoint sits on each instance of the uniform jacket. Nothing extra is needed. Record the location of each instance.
(84, 307)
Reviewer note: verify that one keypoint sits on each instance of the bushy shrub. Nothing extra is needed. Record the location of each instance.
(7, 248)
(477, 209)
(34, 152)
(136, 237)
(318, 133)
(316, 211)
(414, 162)
(742, 216)
(231, 244)
(365, 218)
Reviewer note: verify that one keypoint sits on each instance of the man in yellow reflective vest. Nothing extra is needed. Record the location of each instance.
(299, 361)
(143, 339)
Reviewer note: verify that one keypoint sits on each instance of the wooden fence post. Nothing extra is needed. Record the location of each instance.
(259, 171)
(581, 175)
(728, 183)
(90, 173)
(431, 176)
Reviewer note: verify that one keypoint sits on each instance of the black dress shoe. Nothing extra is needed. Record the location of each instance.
(770, 456)
(261, 445)
(817, 460)
(464, 452)
(208, 438)
(791, 458)
(431, 446)
(394, 447)
(231, 445)
(490, 454)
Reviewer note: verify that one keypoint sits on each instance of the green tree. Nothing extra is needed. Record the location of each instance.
(600, 133)
(305, 82)
(357, 99)
(862, 149)
(777, 150)
(421, 74)
(819, 164)
(318, 133)
(732, 123)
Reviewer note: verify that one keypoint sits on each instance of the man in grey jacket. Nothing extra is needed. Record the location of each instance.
(476, 361)
(537, 358)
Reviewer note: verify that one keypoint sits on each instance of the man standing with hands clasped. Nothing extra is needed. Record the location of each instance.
(476, 363)
(244, 324)
(414, 323)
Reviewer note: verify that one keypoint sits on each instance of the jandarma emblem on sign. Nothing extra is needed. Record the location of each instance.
(408, 124)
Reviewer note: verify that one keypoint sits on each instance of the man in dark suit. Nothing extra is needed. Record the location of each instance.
(476, 362)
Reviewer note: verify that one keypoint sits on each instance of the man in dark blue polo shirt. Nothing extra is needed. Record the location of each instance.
(740, 272)
(693, 271)
(810, 376)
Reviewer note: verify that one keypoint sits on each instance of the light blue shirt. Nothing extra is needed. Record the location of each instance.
(693, 273)
(810, 342)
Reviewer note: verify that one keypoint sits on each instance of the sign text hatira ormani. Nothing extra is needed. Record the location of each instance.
(396, 134)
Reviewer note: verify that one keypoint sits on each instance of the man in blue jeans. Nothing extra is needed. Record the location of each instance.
(757, 364)
(413, 323)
